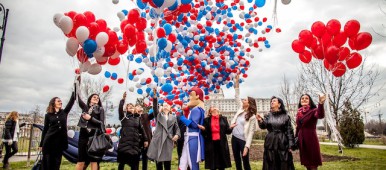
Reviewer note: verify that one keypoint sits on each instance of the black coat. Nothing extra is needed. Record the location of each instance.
(54, 136)
(210, 154)
(132, 135)
(9, 129)
(278, 141)
(97, 116)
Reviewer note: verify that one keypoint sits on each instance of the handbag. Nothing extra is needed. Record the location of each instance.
(99, 144)
(38, 163)
(295, 146)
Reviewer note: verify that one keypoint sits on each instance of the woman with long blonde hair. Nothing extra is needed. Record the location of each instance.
(10, 136)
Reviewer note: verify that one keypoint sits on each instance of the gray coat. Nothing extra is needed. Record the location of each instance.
(161, 145)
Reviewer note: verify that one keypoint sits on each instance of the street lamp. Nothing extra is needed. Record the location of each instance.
(3, 26)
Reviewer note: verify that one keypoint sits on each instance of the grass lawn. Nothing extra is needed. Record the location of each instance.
(365, 159)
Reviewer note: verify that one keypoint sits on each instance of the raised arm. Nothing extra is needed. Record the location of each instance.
(263, 122)
(70, 103)
(320, 110)
(237, 92)
(120, 109)
(82, 105)
(155, 104)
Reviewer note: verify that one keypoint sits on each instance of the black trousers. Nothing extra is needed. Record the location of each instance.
(134, 165)
(166, 165)
(52, 161)
(238, 149)
(8, 152)
(144, 158)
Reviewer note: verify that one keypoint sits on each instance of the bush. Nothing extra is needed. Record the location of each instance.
(351, 127)
(260, 135)
(383, 139)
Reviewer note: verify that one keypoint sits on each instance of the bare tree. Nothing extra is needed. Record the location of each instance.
(357, 86)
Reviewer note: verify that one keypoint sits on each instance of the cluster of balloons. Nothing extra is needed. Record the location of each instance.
(327, 43)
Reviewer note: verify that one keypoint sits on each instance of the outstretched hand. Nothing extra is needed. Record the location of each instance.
(154, 93)
(124, 95)
(322, 98)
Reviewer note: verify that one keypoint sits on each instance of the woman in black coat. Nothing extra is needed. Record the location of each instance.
(10, 138)
(132, 137)
(215, 132)
(92, 119)
(54, 137)
(280, 137)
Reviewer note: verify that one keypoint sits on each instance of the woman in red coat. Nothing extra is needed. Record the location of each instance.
(306, 119)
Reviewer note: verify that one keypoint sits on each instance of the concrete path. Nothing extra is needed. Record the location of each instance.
(382, 147)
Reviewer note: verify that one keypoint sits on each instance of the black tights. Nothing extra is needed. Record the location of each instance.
(133, 165)
(167, 165)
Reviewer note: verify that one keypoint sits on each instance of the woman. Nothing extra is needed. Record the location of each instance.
(280, 137)
(215, 132)
(306, 119)
(242, 133)
(145, 120)
(165, 134)
(131, 138)
(10, 136)
(91, 120)
(54, 137)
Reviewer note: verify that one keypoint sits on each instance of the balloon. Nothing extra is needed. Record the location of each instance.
(259, 3)
(306, 37)
(90, 16)
(158, 3)
(285, 2)
(82, 33)
(339, 39)
(363, 40)
(354, 60)
(72, 46)
(106, 88)
(112, 130)
(339, 69)
(333, 27)
(65, 24)
(84, 66)
(114, 139)
(107, 74)
(141, 46)
(161, 32)
(101, 39)
(89, 46)
(114, 61)
(167, 87)
(141, 5)
(344, 52)
(318, 52)
(318, 28)
(141, 24)
(159, 72)
(95, 69)
(108, 130)
(101, 24)
(120, 80)
(82, 57)
(327, 65)
(122, 47)
(57, 18)
(133, 16)
(162, 43)
(93, 30)
(298, 46)
(351, 43)
(79, 20)
(71, 133)
(351, 28)
(115, 1)
(113, 38)
(332, 54)
(118, 132)
(168, 28)
(305, 57)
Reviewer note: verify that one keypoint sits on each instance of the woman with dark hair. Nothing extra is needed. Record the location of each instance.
(306, 119)
(131, 138)
(10, 136)
(91, 120)
(280, 137)
(242, 134)
(165, 134)
(54, 137)
(215, 132)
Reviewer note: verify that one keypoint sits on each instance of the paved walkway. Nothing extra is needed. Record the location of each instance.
(382, 147)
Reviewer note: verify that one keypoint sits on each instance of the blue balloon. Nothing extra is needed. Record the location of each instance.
(138, 60)
(168, 28)
(114, 75)
(107, 74)
(89, 46)
(125, 11)
(162, 43)
(131, 76)
(141, 5)
(151, 111)
(259, 3)
(158, 3)
(186, 1)
(139, 91)
(167, 87)
(174, 6)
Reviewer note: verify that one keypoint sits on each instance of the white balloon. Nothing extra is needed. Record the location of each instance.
(115, 1)
(71, 133)
(101, 39)
(168, 3)
(139, 71)
(72, 46)
(131, 89)
(121, 15)
(115, 55)
(84, 67)
(95, 69)
(99, 53)
(112, 130)
(168, 47)
(66, 24)
(138, 85)
(57, 18)
(159, 72)
(82, 33)
(285, 2)
(136, 79)
(111, 149)
(116, 29)
(114, 139)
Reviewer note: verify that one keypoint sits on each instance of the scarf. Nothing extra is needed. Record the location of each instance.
(302, 110)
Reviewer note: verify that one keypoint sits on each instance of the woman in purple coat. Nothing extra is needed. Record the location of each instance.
(306, 119)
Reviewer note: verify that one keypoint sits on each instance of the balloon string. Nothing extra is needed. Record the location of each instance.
(274, 15)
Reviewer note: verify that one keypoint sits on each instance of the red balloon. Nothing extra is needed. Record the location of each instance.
(351, 28)
(101, 60)
(339, 39)
(141, 24)
(141, 46)
(161, 32)
(114, 61)
(108, 130)
(339, 69)
(327, 65)
(109, 50)
(129, 31)
(333, 27)
(71, 14)
(148, 80)
(354, 60)
(132, 41)
(318, 28)
(351, 43)
(133, 16)
(363, 40)
(122, 47)
(90, 16)
(120, 80)
(140, 36)
(332, 54)
(81, 55)
(184, 8)
(80, 20)
(298, 46)
(113, 37)
(105, 89)
(94, 30)
(305, 57)
(306, 37)
(77, 71)
(318, 52)
(123, 24)
(102, 24)
(172, 37)
(326, 40)
(344, 52)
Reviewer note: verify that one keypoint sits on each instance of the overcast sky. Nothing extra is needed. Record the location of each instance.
(35, 67)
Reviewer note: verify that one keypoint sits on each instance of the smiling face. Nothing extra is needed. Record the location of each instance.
(166, 108)
(139, 109)
(305, 100)
(275, 105)
(214, 111)
(58, 103)
(130, 108)
(94, 100)
(245, 103)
